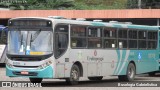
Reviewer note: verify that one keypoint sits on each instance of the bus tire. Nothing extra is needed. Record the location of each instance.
(95, 78)
(130, 74)
(35, 80)
(74, 75)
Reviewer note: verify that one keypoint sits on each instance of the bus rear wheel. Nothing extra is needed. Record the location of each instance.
(95, 78)
(74, 75)
(130, 75)
(35, 80)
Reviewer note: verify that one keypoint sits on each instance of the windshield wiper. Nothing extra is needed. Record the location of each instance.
(33, 37)
(21, 43)
(21, 39)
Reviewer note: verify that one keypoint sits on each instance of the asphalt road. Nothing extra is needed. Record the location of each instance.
(106, 83)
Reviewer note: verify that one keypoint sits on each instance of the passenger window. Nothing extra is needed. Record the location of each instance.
(94, 32)
(132, 43)
(110, 40)
(152, 35)
(122, 43)
(142, 42)
(122, 33)
(142, 34)
(110, 32)
(132, 34)
(94, 37)
(152, 44)
(122, 38)
(110, 43)
(132, 39)
(78, 36)
(152, 39)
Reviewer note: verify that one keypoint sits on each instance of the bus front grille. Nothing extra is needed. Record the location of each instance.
(29, 74)
(26, 66)
(26, 59)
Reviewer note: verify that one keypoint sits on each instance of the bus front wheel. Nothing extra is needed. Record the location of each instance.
(35, 80)
(131, 71)
(74, 75)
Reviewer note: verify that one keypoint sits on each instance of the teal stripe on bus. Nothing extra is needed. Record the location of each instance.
(97, 24)
(143, 27)
(118, 54)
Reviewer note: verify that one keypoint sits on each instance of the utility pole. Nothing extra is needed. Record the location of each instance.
(139, 4)
(158, 23)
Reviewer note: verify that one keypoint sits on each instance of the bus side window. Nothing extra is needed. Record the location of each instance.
(122, 38)
(152, 39)
(94, 37)
(142, 42)
(61, 39)
(78, 36)
(132, 39)
(110, 35)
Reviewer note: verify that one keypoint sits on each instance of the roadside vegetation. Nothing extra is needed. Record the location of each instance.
(77, 4)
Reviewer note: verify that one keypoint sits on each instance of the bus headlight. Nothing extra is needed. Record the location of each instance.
(9, 65)
(45, 65)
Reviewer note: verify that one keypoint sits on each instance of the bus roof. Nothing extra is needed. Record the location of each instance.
(107, 24)
(94, 23)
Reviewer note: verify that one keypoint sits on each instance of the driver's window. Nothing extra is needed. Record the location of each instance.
(61, 39)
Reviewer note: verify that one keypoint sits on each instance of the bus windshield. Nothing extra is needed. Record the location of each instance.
(30, 42)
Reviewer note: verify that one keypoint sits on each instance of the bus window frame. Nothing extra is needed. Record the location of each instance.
(83, 37)
(139, 39)
(54, 39)
(128, 39)
(101, 37)
(127, 29)
(109, 38)
(152, 40)
(133, 39)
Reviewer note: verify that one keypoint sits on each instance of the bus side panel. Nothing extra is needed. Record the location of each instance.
(60, 70)
(78, 55)
(100, 62)
(121, 66)
(144, 60)
(115, 62)
(63, 65)
(147, 61)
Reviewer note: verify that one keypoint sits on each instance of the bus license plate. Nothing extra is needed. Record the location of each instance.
(24, 72)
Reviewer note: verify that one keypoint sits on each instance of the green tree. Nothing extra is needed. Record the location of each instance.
(59, 4)
(144, 4)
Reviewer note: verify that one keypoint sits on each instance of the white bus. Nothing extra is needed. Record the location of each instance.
(55, 47)
(3, 44)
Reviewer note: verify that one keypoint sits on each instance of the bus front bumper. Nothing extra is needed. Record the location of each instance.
(46, 72)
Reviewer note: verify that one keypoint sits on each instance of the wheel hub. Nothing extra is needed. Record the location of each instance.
(74, 75)
(131, 73)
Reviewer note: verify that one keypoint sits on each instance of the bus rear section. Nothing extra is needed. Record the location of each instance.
(158, 47)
